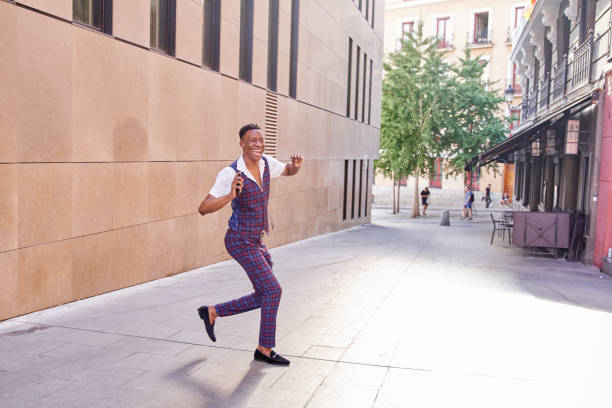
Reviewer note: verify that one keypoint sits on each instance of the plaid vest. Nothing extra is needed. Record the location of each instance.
(250, 208)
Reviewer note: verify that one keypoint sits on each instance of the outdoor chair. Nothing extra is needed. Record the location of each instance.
(500, 227)
(508, 223)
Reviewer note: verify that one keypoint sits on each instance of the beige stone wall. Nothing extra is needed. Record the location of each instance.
(107, 148)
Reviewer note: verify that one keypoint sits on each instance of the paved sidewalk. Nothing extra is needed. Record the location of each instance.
(399, 313)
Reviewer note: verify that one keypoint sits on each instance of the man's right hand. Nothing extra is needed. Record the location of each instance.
(237, 185)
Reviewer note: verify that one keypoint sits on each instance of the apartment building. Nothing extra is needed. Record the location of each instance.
(483, 26)
(118, 114)
(562, 147)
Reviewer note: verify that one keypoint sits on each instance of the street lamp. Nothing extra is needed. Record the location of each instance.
(509, 94)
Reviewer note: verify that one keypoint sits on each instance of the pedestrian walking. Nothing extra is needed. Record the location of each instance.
(425, 200)
(466, 211)
(488, 199)
(246, 184)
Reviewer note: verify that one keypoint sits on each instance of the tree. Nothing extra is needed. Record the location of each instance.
(469, 120)
(414, 84)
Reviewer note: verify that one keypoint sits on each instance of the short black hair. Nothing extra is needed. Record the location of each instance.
(246, 128)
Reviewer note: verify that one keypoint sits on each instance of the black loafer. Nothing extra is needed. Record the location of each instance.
(210, 327)
(275, 359)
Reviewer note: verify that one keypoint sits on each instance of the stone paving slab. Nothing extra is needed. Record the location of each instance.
(401, 312)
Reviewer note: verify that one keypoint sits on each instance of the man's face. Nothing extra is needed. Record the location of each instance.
(253, 144)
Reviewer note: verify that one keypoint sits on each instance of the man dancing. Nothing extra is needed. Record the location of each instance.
(243, 239)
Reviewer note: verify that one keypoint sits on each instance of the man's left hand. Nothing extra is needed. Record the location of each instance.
(294, 167)
(296, 160)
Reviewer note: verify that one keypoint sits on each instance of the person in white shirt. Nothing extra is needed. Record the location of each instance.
(243, 240)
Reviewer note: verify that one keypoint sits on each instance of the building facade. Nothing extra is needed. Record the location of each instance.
(483, 26)
(117, 115)
(560, 148)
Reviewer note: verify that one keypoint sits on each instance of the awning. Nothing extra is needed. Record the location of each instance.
(526, 136)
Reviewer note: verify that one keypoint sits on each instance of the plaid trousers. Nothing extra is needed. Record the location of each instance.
(255, 259)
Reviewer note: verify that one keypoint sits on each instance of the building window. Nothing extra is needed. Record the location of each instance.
(370, 94)
(481, 28)
(353, 190)
(163, 25)
(373, 9)
(436, 175)
(367, 186)
(360, 187)
(349, 83)
(515, 118)
(442, 34)
(407, 27)
(367, 16)
(212, 33)
(97, 14)
(272, 44)
(246, 41)
(357, 81)
(518, 12)
(345, 196)
(293, 56)
(515, 84)
(472, 178)
(363, 93)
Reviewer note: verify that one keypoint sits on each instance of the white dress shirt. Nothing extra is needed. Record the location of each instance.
(223, 183)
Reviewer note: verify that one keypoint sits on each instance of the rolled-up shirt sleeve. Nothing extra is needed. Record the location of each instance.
(223, 182)
(276, 167)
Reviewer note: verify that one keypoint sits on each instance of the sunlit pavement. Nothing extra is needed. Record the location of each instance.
(399, 313)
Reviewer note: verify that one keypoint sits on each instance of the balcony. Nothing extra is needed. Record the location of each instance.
(543, 95)
(559, 78)
(483, 38)
(581, 64)
(445, 43)
(525, 107)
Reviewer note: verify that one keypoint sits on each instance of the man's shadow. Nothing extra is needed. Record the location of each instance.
(214, 398)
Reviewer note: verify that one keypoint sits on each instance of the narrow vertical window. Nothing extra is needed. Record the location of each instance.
(163, 25)
(344, 201)
(97, 14)
(363, 103)
(246, 41)
(518, 12)
(370, 95)
(357, 81)
(353, 190)
(212, 33)
(360, 187)
(367, 16)
(441, 32)
(272, 44)
(367, 186)
(373, 9)
(348, 85)
(360, 4)
(293, 55)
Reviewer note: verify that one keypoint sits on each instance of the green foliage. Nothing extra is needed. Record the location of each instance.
(470, 120)
(412, 87)
(432, 109)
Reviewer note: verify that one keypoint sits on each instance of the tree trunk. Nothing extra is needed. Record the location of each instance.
(393, 192)
(415, 203)
(399, 187)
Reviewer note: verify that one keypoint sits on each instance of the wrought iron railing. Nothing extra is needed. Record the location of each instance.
(481, 38)
(525, 107)
(544, 90)
(559, 78)
(581, 64)
(533, 100)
